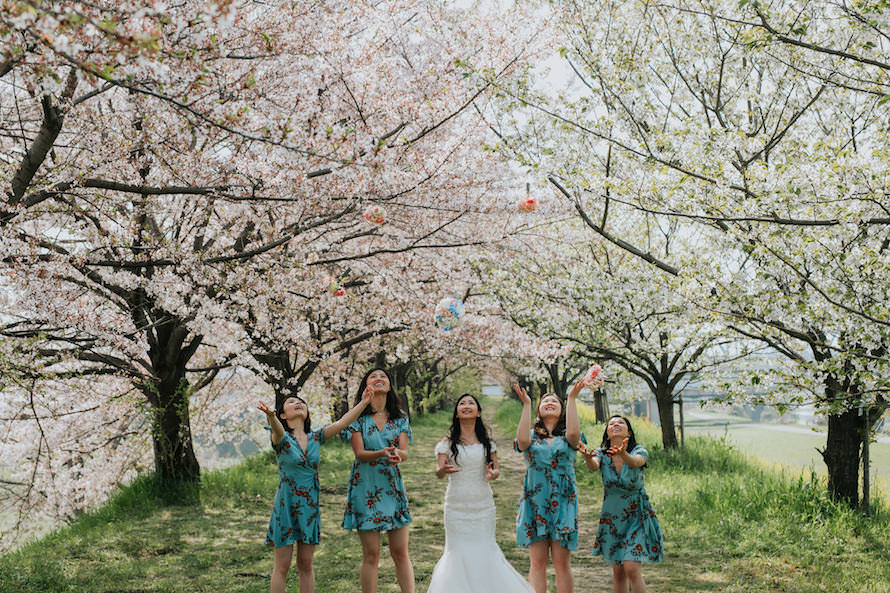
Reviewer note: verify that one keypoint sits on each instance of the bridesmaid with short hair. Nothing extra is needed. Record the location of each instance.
(296, 518)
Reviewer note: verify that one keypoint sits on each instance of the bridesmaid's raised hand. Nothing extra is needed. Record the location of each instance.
(264, 408)
(618, 449)
(576, 389)
(522, 394)
(583, 450)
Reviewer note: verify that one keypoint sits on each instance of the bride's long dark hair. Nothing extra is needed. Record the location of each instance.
(479, 428)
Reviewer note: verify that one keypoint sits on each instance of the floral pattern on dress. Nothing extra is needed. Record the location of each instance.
(376, 498)
(295, 512)
(548, 508)
(628, 528)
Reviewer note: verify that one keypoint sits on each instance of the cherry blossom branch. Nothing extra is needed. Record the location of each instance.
(765, 24)
(774, 344)
(647, 257)
(819, 290)
(290, 233)
(12, 60)
(53, 116)
(772, 218)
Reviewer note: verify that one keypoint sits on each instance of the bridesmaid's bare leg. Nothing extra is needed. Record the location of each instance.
(635, 576)
(304, 566)
(538, 555)
(283, 555)
(398, 549)
(561, 558)
(370, 558)
(619, 579)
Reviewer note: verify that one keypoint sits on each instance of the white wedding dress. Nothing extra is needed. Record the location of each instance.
(472, 562)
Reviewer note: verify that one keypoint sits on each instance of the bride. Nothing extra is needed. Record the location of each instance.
(472, 561)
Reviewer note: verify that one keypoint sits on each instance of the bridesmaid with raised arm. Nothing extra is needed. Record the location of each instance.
(547, 521)
(628, 532)
(376, 500)
(295, 513)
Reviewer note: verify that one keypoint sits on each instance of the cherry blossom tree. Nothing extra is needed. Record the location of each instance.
(607, 306)
(183, 179)
(760, 131)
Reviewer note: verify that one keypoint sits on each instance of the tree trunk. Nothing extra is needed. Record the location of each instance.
(664, 397)
(557, 380)
(601, 405)
(175, 459)
(399, 377)
(171, 347)
(841, 455)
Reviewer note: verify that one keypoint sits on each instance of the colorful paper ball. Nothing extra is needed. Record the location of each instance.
(528, 205)
(375, 214)
(333, 287)
(594, 377)
(449, 313)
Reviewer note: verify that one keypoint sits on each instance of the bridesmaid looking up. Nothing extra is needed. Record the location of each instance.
(628, 532)
(376, 499)
(295, 513)
(547, 520)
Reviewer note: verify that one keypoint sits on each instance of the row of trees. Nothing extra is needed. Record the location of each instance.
(185, 188)
(726, 162)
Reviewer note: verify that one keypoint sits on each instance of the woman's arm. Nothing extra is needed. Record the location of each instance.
(362, 454)
(573, 425)
(349, 417)
(402, 449)
(443, 466)
(492, 470)
(592, 462)
(274, 423)
(523, 441)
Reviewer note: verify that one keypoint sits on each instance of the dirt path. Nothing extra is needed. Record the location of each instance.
(426, 494)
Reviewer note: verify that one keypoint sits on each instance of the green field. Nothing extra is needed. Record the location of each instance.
(794, 451)
(730, 526)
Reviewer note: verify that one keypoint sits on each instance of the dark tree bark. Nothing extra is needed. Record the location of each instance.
(601, 405)
(841, 455)
(168, 396)
(664, 397)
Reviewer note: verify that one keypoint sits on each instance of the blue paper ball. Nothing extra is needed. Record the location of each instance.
(449, 313)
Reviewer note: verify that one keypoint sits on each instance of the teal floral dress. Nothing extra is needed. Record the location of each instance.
(376, 499)
(295, 513)
(628, 529)
(548, 508)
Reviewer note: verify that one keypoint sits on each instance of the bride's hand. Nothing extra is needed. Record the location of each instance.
(446, 468)
(491, 472)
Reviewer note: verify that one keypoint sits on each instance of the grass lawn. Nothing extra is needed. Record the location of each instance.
(730, 526)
